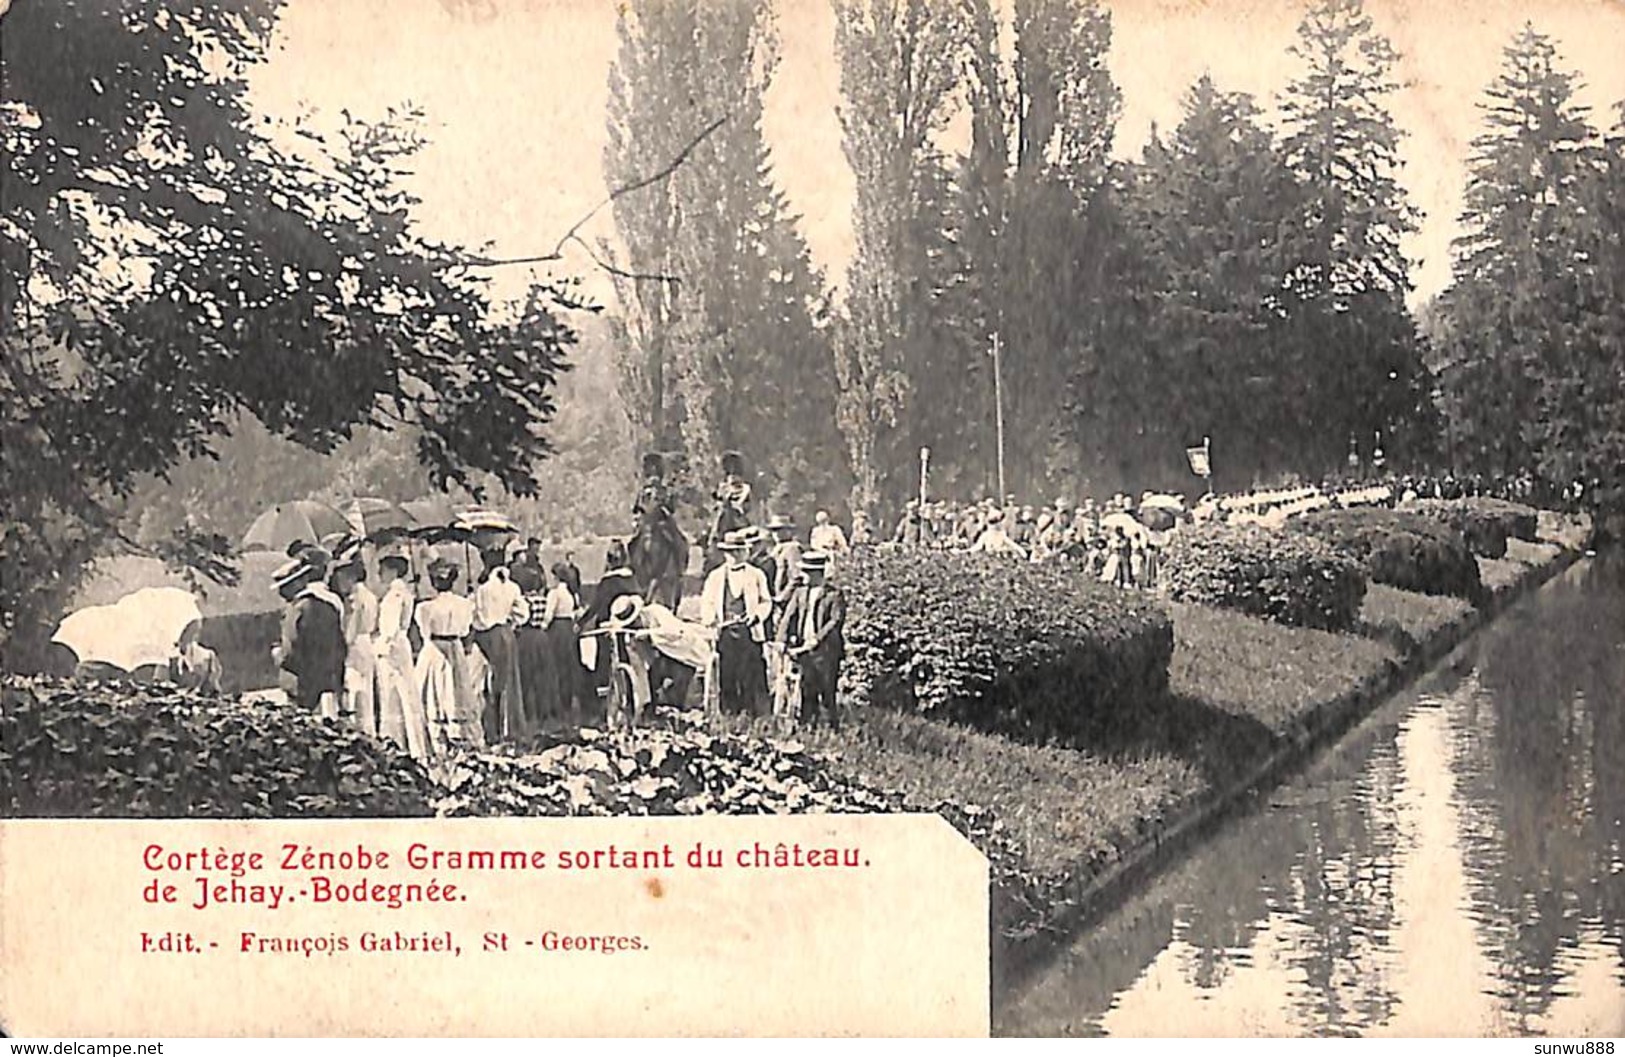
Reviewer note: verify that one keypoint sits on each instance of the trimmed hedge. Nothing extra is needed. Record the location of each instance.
(1487, 523)
(1290, 578)
(120, 749)
(1410, 551)
(1034, 651)
(1537, 554)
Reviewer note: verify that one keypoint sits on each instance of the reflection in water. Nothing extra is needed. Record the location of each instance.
(1456, 866)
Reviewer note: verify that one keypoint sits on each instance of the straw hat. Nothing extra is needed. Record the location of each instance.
(623, 611)
(311, 564)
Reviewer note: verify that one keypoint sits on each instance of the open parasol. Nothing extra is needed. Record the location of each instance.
(481, 528)
(373, 517)
(1127, 522)
(429, 514)
(285, 523)
(139, 629)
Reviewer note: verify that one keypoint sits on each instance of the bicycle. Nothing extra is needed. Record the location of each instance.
(622, 708)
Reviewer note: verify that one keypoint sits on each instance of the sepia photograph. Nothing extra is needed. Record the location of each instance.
(1179, 445)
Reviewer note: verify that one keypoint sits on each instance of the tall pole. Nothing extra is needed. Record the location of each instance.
(998, 414)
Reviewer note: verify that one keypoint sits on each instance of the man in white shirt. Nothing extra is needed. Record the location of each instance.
(827, 536)
(666, 650)
(737, 602)
(499, 607)
(995, 540)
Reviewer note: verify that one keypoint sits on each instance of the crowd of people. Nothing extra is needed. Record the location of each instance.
(432, 662)
(1117, 540)
(1122, 539)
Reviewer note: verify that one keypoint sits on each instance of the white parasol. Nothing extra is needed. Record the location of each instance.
(1163, 502)
(139, 629)
(1127, 522)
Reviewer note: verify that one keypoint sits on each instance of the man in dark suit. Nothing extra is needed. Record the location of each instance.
(312, 651)
(616, 581)
(810, 630)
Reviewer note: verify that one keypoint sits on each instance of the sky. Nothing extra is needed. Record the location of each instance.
(515, 92)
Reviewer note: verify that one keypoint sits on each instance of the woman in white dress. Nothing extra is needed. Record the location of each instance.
(400, 704)
(451, 699)
(360, 633)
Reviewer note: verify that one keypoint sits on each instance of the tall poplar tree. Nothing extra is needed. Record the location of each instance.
(1032, 186)
(902, 368)
(723, 310)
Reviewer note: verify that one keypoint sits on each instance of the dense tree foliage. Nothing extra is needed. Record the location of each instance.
(197, 299)
(1037, 226)
(1535, 317)
(584, 488)
(1198, 341)
(1350, 279)
(1256, 291)
(172, 261)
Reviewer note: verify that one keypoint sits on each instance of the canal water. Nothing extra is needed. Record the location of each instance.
(1455, 866)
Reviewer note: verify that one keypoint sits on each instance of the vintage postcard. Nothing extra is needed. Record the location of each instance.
(774, 518)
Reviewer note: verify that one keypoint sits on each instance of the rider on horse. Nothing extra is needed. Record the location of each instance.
(659, 550)
(733, 504)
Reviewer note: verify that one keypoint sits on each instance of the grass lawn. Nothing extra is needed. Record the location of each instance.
(1408, 618)
(1501, 575)
(1265, 673)
(1064, 807)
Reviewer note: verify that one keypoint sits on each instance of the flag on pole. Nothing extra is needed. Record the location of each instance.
(1199, 461)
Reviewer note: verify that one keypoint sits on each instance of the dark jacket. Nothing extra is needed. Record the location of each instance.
(612, 586)
(527, 574)
(313, 645)
(913, 530)
(829, 619)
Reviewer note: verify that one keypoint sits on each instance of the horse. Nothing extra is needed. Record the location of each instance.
(658, 556)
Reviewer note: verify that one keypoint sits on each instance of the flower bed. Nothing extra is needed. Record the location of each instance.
(681, 770)
(1038, 652)
(119, 749)
(1403, 549)
(1486, 523)
(1291, 578)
